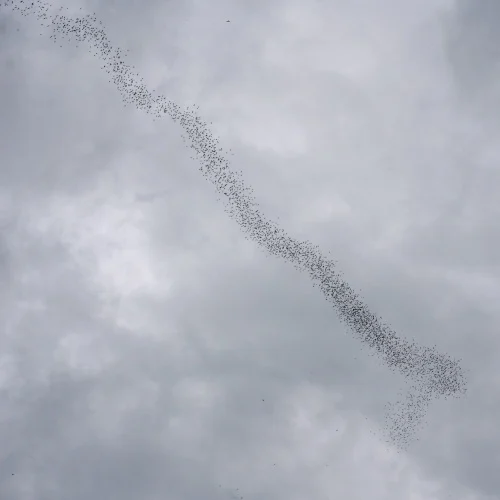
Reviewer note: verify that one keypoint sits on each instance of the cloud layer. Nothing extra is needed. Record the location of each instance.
(126, 284)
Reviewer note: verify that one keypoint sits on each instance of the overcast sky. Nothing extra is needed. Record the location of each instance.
(148, 350)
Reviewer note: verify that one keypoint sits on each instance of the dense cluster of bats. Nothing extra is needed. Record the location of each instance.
(430, 373)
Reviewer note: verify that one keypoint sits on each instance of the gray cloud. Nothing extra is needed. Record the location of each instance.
(139, 339)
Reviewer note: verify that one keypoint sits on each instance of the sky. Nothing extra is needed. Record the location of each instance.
(148, 350)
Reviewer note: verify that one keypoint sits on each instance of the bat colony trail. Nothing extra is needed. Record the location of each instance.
(430, 373)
